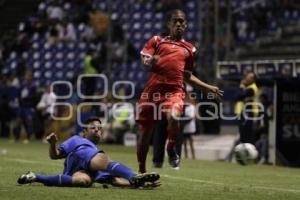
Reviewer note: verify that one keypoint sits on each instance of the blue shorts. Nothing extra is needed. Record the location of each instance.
(79, 160)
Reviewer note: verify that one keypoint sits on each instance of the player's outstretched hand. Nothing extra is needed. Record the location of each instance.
(216, 90)
(52, 138)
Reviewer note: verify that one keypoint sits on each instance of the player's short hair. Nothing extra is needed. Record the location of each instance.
(171, 13)
(92, 119)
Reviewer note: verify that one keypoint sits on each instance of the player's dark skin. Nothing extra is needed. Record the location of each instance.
(177, 24)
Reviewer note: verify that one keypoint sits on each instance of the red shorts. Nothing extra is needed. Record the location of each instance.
(153, 108)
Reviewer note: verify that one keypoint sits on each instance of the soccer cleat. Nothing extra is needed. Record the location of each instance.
(174, 159)
(29, 177)
(140, 179)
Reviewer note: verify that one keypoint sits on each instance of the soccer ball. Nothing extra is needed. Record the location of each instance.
(245, 153)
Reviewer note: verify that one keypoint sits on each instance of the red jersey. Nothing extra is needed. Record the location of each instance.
(175, 57)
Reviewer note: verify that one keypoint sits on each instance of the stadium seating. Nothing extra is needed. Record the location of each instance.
(139, 22)
(63, 61)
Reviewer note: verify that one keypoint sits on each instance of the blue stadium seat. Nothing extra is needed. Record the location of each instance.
(148, 16)
(35, 45)
(81, 55)
(71, 46)
(82, 46)
(13, 55)
(59, 55)
(42, 7)
(158, 26)
(67, 6)
(38, 82)
(137, 36)
(191, 16)
(137, 16)
(35, 37)
(36, 65)
(59, 75)
(69, 75)
(287, 16)
(125, 26)
(60, 46)
(273, 27)
(147, 26)
(295, 16)
(189, 35)
(70, 56)
(59, 65)
(70, 65)
(13, 65)
(137, 7)
(48, 65)
(102, 6)
(158, 16)
(25, 55)
(36, 55)
(47, 74)
(191, 5)
(131, 75)
(140, 75)
(234, 4)
(47, 46)
(37, 75)
(252, 37)
(48, 56)
(136, 26)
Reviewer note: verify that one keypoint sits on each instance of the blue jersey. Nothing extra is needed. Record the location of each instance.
(77, 142)
(79, 151)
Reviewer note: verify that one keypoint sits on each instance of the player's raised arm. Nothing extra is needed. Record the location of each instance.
(194, 81)
(54, 153)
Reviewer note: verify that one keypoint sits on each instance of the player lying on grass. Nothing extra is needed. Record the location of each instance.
(85, 163)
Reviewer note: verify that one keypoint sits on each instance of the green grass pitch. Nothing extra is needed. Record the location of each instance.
(196, 180)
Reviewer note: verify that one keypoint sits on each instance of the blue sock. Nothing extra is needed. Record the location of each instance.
(56, 180)
(118, 169)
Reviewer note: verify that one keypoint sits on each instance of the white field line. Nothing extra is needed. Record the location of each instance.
(231, 185)
(53, 163)
(172, 177)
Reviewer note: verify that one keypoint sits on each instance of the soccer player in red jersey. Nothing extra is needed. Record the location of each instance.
(171, 60)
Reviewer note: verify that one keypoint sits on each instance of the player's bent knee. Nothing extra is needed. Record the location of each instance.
(81, 180)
